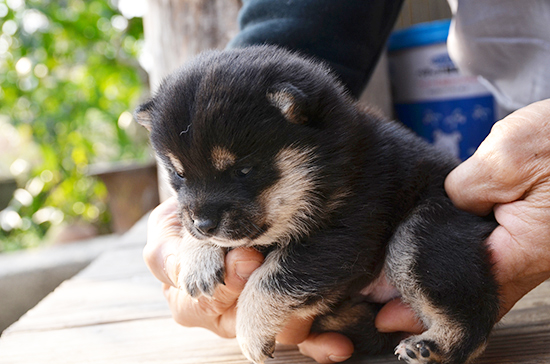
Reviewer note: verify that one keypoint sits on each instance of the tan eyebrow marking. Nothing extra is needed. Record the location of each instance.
(176, 163)
(222, 158)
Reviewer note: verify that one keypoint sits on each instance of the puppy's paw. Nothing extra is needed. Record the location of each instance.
(416, 351)
(257, 349)
(202, 272)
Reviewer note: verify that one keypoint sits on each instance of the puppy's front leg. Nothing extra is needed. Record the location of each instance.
(201, 266)
(266, 304)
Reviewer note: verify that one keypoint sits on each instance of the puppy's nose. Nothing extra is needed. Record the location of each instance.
(205, 226)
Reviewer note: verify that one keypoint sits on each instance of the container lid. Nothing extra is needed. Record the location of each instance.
(420, 35)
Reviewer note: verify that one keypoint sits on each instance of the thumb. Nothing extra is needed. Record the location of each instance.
(493, 175)
(510, 161)
(396, 316)
(467, 185)
(240, 263)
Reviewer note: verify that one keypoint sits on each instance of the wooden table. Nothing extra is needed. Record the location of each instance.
(114, 312)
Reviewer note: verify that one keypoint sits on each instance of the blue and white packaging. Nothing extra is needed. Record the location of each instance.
(453, 111)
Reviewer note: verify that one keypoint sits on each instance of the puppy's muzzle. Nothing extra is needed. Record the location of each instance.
(206, 226)
(206, 218)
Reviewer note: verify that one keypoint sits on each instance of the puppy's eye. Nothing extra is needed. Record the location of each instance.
(243, 172)
(179, 175)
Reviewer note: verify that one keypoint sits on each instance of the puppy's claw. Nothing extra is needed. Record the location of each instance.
(418, 352)
(199, 280)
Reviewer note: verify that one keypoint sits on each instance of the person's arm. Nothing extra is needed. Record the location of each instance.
(348, 35)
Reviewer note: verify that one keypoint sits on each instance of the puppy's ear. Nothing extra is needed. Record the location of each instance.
(143, 116)
(291, 102)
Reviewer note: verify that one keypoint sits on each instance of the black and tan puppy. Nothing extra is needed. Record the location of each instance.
(266, 150)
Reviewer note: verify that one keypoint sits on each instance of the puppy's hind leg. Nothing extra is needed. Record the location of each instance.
(439, 262)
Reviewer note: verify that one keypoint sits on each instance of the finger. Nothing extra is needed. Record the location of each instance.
(515, 271)
(163, 241)
(240, 263)
(295, 331)
(190, 312)
(465, 185)
(395, 316)
(493, 175)
(328, 347)
(518, 247)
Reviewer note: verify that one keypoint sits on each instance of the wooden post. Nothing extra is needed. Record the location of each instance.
(176, 30)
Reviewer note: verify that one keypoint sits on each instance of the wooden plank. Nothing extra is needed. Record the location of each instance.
(85, 303)
(163, 341)
(117, 264)
(116, 287)
(141, 341)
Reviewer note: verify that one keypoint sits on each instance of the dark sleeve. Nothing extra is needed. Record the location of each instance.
(349, 35)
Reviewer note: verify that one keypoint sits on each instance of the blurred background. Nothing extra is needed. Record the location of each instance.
(70, 76)
(75, 167)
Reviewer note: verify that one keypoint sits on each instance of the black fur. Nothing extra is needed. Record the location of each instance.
(378, 199)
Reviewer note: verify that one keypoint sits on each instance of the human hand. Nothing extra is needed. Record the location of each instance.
(509, 174)
(218, 313)
(163, 247)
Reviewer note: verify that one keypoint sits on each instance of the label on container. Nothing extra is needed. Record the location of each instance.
(452, 111)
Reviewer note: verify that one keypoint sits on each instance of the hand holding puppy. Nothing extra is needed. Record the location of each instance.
(216, 314)
(510, 174)
(219, 312)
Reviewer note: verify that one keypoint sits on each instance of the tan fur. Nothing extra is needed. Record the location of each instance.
(337, 199)
(285, 102)
(222, 158)
(176, 163)
(343, 320)
(476, 353)
(284, 202)
(199, 261)
(260, 316)
(442, 330)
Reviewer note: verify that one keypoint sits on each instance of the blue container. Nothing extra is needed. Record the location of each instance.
(451, 110)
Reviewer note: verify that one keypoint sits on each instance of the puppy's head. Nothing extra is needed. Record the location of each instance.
(238, 132)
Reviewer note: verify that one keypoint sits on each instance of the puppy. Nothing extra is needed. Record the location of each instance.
(265, 149)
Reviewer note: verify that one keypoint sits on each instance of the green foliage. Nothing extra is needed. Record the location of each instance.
(68, 79)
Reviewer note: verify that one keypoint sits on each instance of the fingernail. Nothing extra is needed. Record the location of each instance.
(245, 268)
(338, 359)
(170, 269)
